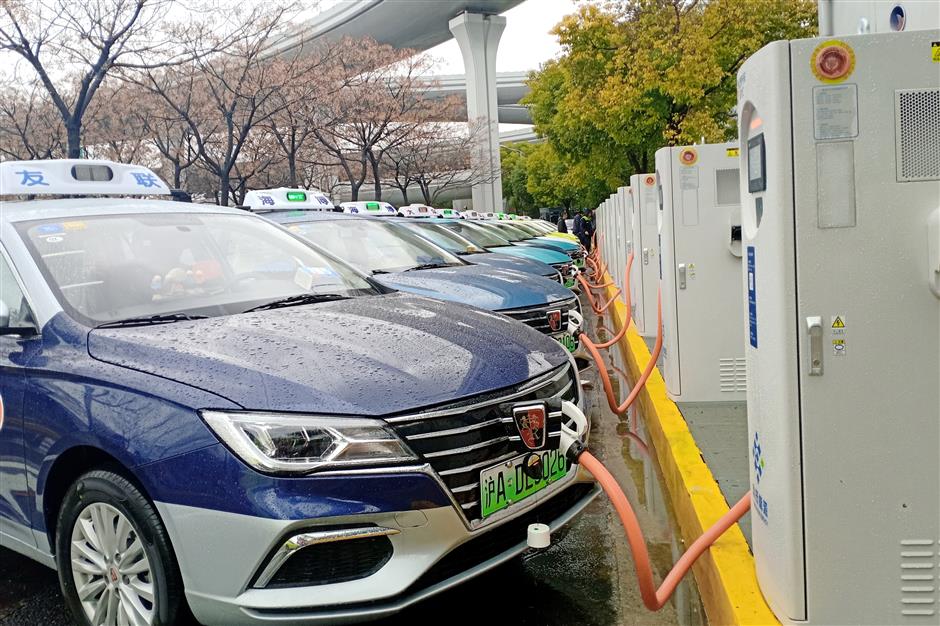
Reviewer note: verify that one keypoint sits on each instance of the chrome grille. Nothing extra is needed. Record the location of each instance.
(537, 316)
(460, 440)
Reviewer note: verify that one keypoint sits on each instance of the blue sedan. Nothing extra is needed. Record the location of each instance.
(404, 261)
(200, 408)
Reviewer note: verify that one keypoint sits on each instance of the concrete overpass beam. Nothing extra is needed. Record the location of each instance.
(478, 37)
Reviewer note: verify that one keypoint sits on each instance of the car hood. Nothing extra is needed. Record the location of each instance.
(373, 355)
(544, 255)
(555, 242)
(485, 287)
(508, 262)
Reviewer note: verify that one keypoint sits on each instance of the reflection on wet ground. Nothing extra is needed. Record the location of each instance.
(586, 578)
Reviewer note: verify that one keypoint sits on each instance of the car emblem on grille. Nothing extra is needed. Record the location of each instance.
(554, 319)
(531, 421)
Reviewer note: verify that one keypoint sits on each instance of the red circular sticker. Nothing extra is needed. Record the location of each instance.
(650, 180)
(688, 156)
(833, 61)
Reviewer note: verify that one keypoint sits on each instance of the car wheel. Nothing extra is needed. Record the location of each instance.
(116, 565)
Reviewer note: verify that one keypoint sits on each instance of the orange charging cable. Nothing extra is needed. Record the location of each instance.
(653, 598)
(592, 348)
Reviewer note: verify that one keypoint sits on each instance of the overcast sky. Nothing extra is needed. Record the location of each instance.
(526, 41)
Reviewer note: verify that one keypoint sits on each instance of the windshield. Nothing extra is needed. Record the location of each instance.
(477, 235)
(440, 236)
(110, 268)
(509, 232)
(373, 245)
(526, 228)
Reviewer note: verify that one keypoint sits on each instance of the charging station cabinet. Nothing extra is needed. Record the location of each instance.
(624, 225)
(703, 313)
(840, 189)
(644, 279)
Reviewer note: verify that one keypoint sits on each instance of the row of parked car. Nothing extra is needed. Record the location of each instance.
(285, 413)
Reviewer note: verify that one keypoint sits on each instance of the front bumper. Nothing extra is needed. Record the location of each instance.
(433, 550)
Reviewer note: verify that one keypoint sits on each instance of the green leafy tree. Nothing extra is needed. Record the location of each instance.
(555, 182)
(513, 159)
(639, 74)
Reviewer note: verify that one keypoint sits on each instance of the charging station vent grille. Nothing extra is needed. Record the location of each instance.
(732, 375)
(918, 589)
(917, 117)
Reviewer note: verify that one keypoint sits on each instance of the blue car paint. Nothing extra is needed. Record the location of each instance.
(134, 395)
(543, 255)
(212, 478)
(396, 336)
(519, 263)
(487, 288)
(511, 262)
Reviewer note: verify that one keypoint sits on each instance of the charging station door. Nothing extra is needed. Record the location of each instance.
(703, 322)
(771, 353)
(638, 295)
(646, 260)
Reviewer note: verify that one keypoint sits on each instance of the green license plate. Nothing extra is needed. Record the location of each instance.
(506, 484)
(568, 341)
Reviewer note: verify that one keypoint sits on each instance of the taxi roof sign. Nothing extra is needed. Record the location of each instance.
(285, 198)
(370, 207)
(91, 177)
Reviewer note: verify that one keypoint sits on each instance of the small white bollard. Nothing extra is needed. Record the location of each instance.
(540, 536)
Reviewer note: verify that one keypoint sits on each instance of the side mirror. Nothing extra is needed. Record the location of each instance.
(4, 315)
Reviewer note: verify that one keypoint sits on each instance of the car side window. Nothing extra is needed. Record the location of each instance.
(13, 297)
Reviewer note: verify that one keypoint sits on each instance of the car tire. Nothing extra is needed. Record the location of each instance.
(113, 553)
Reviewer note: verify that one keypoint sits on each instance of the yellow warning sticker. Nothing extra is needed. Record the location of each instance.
(838, 322)
(935, 51)
(733, 152)
(833, 61)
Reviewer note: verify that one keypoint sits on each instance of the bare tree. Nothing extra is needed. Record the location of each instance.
(225, 97)
(30, 127)
(380, 102)
(74, 46)
(437, 158)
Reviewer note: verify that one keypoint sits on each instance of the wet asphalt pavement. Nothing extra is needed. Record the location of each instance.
(586, 577)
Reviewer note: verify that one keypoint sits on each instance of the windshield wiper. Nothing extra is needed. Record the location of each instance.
(377, 272)
(304, 298)
(149, 320)
(428, 266)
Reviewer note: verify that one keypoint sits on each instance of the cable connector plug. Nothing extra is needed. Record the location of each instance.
(575, 322)
(572, 437)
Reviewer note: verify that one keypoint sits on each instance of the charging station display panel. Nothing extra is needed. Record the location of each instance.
(845, 410)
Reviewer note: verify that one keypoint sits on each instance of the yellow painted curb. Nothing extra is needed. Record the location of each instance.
(725, 574)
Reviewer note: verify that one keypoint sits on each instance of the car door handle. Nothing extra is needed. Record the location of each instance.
(682, 273)
(814, 327)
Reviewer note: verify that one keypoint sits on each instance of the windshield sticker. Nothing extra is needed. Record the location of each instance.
(74, 225)
(49, 229)
(308, 277)
(54, 239)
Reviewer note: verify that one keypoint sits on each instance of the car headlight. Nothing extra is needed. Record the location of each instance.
(288, 444)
